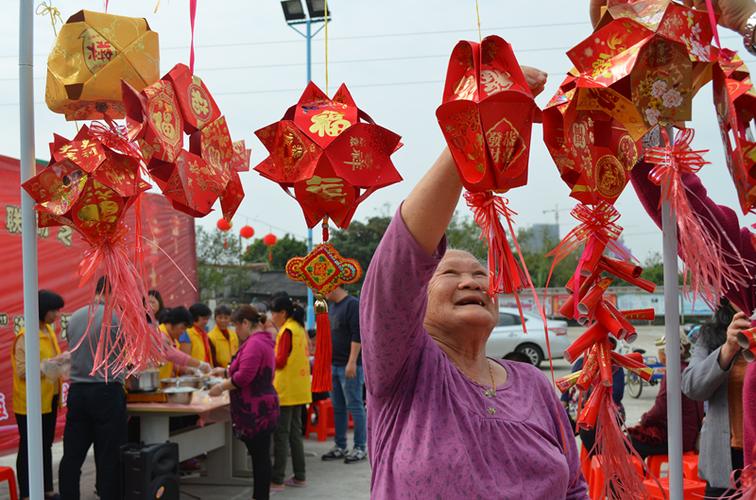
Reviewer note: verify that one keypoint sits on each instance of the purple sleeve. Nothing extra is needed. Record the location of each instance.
(247, 366)
(716, 218)
(392, 305)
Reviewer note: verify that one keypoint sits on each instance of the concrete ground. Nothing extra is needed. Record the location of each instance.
(338, 480)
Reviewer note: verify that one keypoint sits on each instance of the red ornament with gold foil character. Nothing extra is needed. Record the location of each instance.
(330, 153)
(486, 117)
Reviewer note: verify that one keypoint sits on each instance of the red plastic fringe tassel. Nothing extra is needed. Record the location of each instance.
(505, 276)
(321, 369)
(137, 344)
(614, 452)
(701, 252)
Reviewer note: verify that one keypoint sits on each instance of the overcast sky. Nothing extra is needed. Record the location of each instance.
(392, 55)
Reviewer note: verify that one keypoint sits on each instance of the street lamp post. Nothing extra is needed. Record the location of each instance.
(295, 15)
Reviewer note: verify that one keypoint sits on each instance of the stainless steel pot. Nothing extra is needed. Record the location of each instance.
(184, 381)
(146, 381)
(179, 395)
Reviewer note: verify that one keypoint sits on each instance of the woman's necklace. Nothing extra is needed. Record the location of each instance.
(491, 392)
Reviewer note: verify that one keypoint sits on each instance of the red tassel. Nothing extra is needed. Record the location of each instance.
(321, 369)
(505, 276)
(615, 454)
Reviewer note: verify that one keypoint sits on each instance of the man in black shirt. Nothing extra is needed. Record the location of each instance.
(348, 378)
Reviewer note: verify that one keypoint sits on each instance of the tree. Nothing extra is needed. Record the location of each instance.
(359, 242)
(216, 251)
(284, 249)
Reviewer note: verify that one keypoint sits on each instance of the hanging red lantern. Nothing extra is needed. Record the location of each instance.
(269, 239)
(223, 225)
(246, 232)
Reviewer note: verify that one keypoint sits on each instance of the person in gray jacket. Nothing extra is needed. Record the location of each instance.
(715, 375)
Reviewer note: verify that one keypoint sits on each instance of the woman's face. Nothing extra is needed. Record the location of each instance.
(278, 318)
(243, 329)
(175, 331)
(222, 320)
(51, 316)
(154, 304)
(457, 298)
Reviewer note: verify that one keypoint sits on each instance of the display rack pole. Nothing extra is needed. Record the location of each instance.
(29, 250)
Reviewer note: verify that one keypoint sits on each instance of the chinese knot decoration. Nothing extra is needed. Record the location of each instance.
(193, 179)
(329, 155)
(486, 117)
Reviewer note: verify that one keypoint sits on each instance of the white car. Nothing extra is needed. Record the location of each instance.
(508, 337)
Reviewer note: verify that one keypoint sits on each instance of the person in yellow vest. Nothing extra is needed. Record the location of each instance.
(194, 340)
(223, 340)
(175, 322)
(292, 382)
(50, 304)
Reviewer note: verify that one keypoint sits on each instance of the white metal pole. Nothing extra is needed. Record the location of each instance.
(29, 244)
(672, 350)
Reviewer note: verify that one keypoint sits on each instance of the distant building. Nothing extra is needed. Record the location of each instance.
(265, 284)
(540, 238)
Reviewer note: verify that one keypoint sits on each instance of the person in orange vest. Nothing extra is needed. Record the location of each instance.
(50, 304)
(223, 340)
(175, 322)
(194, 340)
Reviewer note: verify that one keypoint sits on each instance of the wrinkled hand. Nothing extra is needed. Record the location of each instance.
(218, 372)
(731, 14)
(536, 79)
(595, 10)
(351, 370)
(204, 367)
(731, 348)
(216, 390)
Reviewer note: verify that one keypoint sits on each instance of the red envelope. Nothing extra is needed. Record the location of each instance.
(197, 104)
(190, 183)
(487, 114)
(327, 195)
(242, 156)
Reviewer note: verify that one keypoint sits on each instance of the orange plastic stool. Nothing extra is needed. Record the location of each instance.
(596, 474)
(691, 488)
(690, 464)
(323, 412)
(7, 474)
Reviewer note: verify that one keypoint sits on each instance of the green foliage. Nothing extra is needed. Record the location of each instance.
(216, 251)
(359, 242)
(284, 249)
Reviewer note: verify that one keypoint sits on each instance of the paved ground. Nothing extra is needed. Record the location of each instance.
(337, 480)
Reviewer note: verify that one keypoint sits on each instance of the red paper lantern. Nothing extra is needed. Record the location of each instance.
(270, 239)
(246, 232)
(223, 225)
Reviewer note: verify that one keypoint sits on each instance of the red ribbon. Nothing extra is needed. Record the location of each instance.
(192, 16)
(115, 137)
(674, 160)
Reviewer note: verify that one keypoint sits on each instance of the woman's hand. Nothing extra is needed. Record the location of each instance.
(204, 367)
(731, 348)
(218, 372)
(595, 10)
(536, 79)
(216, 390)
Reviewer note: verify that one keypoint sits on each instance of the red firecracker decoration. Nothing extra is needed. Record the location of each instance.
(246, 232)
(486, 117)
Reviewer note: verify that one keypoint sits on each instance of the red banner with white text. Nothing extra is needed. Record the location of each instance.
(170, 266)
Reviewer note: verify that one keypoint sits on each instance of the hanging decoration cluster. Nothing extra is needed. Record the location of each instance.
(634, 80)
(328, 155)
(106, 67)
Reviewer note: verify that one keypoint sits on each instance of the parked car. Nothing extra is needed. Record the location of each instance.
(508, 336)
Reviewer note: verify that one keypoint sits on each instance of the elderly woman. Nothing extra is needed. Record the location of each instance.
(445, 421)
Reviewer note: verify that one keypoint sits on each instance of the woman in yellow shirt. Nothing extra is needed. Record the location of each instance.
(50, 304)
(292, 382)
(223, 340)
(195, 341)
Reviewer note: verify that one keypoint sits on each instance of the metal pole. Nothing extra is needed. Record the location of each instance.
(29, 250)
(310, 304)
(672, 350)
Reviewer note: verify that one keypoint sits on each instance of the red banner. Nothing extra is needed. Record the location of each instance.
(170, 266)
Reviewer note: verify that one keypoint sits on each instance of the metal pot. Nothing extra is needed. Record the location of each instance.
(179, 395)
(184, 381)
(146, 381)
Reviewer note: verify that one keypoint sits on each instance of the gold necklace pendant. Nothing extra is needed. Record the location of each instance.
(490, 392)
(491, 410)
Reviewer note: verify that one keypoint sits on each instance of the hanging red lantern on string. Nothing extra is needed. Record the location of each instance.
(246, 232)
(223, 225)
(270, 240)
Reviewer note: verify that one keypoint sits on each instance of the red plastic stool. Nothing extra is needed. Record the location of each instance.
(690, 464)
(323, 412)
(7, 474)
(691, 488)
(596, 475)
(585, 464)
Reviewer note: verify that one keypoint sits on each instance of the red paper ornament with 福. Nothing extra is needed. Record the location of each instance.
(329, 155)
(486, 117)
